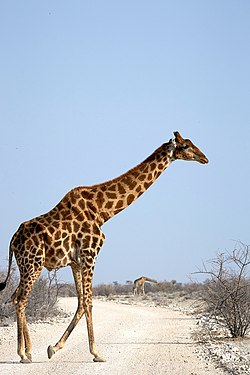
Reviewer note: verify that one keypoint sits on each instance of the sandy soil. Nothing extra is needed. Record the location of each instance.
(134, 339)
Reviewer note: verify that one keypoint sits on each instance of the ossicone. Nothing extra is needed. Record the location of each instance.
(178, 137)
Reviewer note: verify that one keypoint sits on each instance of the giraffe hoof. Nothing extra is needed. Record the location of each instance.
(99, 359)
(50, 351)
(29, 356)
(26, 360)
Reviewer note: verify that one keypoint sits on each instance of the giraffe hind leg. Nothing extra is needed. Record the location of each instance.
(20, 298)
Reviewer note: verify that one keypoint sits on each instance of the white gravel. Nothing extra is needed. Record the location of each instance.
(134, 339)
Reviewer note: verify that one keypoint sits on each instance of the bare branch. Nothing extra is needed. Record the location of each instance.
(228, 289)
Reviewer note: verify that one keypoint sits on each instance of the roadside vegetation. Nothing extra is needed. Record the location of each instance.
(227, 290)
(224, 296)
(42, 303)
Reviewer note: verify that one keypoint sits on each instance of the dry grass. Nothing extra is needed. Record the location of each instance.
(42, 302)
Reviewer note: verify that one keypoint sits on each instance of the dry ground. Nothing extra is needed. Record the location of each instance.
(135, 339)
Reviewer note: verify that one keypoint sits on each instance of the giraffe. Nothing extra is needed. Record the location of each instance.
(138, 287)
(70, 235)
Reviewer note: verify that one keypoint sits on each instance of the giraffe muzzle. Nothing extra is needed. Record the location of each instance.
(204, 160)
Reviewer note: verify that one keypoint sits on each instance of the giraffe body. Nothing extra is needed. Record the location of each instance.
(70, 235)
(139, 285)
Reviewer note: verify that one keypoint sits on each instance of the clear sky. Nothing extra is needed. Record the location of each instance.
(90, 88)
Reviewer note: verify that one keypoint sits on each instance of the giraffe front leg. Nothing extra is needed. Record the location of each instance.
(79, 313)
(87, 300)
(92, 345)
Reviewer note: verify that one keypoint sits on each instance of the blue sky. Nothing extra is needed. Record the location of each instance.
(90, 88)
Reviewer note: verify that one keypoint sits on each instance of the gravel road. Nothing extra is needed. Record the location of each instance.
(134, 340)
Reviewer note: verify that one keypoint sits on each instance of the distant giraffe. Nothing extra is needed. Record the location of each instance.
(70, 235)
(138, 287)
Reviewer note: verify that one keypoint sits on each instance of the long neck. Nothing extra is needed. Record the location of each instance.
(151, 280)
(111, 197)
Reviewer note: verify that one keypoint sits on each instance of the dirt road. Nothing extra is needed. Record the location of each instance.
(134, 339)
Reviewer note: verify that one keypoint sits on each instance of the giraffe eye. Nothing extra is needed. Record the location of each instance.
(185, 146)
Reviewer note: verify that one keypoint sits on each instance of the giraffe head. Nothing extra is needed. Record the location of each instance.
(185, 150)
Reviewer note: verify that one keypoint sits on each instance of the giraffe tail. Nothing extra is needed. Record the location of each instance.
(3, 284)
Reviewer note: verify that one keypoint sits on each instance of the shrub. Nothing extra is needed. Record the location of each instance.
(7, 311)
(66, 290)
(42, 302)
(228, 290)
